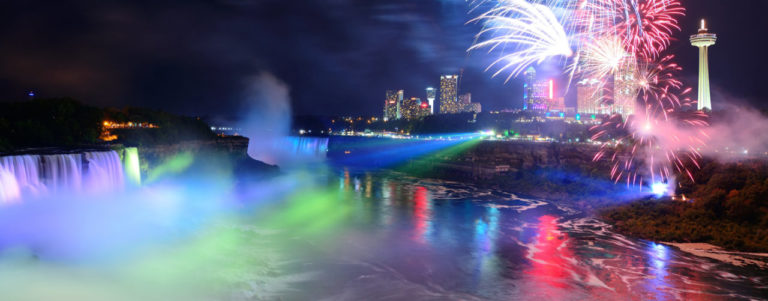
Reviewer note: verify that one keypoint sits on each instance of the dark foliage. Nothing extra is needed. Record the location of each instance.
(65, 122)
(729, 209)
(48, 123)
(171, 128)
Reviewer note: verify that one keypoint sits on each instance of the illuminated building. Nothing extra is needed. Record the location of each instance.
(530, 79)
(392, 110)
(431, 95)
(107, 125)
(465, 99)
(703, 40)
(543, 95)
(625, 89)
(539, 96)
(589, 97)
(557, 104)
(449, 85)
(414, 108)
(474, 107)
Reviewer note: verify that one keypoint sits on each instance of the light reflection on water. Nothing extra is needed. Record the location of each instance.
(363, 235)
(458, 242)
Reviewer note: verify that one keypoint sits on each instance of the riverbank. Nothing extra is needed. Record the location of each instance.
(714, 252)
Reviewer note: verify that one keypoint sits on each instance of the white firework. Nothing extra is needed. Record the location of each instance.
(533, 29)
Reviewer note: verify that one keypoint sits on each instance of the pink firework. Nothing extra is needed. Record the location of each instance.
(658, 86)
(645, 26)
(652, 145)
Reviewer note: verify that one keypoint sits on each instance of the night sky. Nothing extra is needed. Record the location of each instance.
(336, 56)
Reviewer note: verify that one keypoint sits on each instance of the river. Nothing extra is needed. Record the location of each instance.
(404, 238)
(336, 233)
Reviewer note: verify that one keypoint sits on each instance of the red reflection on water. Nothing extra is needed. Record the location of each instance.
(551, 256)
(420, 213)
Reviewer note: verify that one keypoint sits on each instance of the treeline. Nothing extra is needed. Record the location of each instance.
(65, 122)
(729, 208)
(61, 122)
(170, 128)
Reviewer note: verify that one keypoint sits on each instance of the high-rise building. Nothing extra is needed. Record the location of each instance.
(703, 40)
(474, 107)
(465, 99)
(415, 108)
(449, 85)
(425, 109)
(557, 104)
(589, 97)
(530, 79)
(543, 95)
(392, 105)
(467, 106)
(431, 95)
(625, 89)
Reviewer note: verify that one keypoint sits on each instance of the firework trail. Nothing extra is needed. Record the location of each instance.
(532, 29)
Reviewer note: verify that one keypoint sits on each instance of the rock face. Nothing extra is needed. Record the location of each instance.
(528, 155)
(232, 149)
(490, 158)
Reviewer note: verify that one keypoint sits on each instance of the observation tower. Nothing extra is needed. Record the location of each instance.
(703, 40)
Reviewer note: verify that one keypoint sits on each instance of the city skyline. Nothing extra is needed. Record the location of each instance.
(212, 77)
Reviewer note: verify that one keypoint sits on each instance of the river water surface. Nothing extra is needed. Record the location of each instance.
(403, 238)
(338, 234)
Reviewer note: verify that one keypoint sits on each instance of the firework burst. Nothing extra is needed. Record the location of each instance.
(645, 26)
(649, 147)
(619, 44)
(532, 29)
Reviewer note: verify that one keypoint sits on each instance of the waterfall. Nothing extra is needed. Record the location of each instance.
(62, 172)
(35, 175)
(104, 171)
(132, 167)
(308, 147)
(25, 172)
(9, 187)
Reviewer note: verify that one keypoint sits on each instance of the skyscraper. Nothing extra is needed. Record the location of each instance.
(543, 95)
(589, 97)
(625, 88)
(414, 108)
(530, 79)
(392, 105)
(449, 85)
(431, 93)
(703, 40)
(465, 99)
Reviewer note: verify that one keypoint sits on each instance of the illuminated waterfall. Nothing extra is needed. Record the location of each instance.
(131, 163)
(308, 147)
(9, 187)
(104, 171)
(36, 175)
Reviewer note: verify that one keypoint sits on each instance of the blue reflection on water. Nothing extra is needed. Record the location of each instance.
(658, 258)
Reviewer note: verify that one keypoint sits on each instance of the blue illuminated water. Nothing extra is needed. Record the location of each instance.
(419, 239)
(338, 234)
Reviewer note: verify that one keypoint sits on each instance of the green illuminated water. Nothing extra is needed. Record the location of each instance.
(132, 166)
